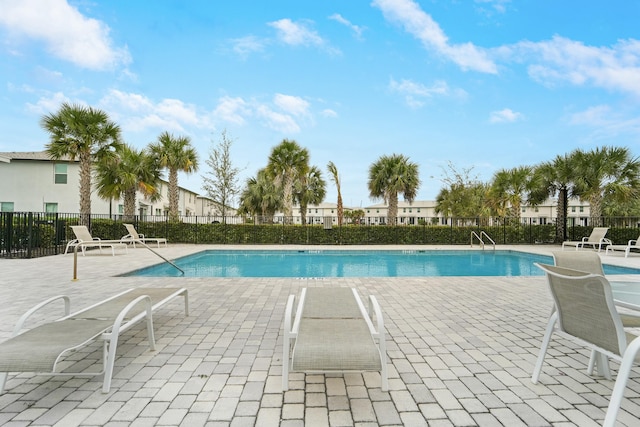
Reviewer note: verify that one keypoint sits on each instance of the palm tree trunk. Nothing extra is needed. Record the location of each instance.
(561, 216)
(85, 187)
(595, 204)
(340, 209)
(173, 195)
(303, 213)
(287, 199)
(130, 204)
(392, 214)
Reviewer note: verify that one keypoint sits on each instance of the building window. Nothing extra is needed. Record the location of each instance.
(524, 209)
(404, 210)
(120, 209)
(418, 210)
(536, 209)
(60, 173)
(51, 207)
(158, 211)
(377, 211)
(573, 208)
(6, 206)
(581, 208)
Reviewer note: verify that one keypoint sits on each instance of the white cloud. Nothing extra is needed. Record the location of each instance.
(327, 112)
(355, 28)
(498, 5)
(232, 110)
(299, 34)
(415, 93)
(291, 104)
(244, 46)
(563, 60)
(48, 104)
(136, 112)
(67, 33)
(286, 113)
(419, 24)
(506, 115)
(277, 121)
(607, 123)
(593, 116)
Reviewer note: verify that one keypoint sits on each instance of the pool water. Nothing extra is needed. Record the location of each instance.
(356, 263)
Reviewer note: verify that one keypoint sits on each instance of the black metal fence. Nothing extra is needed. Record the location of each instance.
(36, 234)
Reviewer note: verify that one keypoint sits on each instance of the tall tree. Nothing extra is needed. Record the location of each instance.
(175, 154)
(310, 189)
(287, 163)
(260, 197)
(606, 172)
(391, 175)
(221, 184)
(509, 188)
(82, 133)
(556, 177)
(123, 175)
(335, 177)
(463, 196)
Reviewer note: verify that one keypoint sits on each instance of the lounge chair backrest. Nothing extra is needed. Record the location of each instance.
(585, 307)
(132, 231)
(579, 260)
(597, 234)
(82, 233)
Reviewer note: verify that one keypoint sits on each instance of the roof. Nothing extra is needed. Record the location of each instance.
(29, 155)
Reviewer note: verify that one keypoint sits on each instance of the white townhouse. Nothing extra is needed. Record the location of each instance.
(32, 182)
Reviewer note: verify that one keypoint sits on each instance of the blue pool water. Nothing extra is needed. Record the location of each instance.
(356, 263)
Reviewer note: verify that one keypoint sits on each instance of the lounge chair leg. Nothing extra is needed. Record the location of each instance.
(543, 347)
(3, 381)
(621, 383)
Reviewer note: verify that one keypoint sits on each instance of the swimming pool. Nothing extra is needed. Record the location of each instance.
(356, 263)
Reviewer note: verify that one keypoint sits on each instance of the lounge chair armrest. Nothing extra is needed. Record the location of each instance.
(25, 316)
(374, 310)
(632, 242)
(584, 239)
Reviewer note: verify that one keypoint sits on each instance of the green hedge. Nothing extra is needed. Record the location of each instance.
(316, 235)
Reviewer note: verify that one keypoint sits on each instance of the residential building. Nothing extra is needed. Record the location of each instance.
(32, 182)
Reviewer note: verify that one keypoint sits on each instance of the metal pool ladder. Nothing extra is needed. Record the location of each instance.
(480, 236)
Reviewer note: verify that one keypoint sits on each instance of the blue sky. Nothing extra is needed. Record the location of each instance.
(481, 84)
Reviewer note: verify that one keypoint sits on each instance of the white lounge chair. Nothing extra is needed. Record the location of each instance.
(85, 240)
(332, 332)
(42, 348)
(630, 246)
(586, 313)
(134, 237)
(595, 239)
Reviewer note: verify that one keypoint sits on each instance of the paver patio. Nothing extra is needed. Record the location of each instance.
(461, 353)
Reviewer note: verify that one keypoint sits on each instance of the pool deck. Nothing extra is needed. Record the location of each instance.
(461, 353)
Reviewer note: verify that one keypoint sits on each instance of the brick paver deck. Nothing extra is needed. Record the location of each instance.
(461, 353)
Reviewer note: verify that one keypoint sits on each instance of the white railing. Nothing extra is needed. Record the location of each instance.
(480, 239)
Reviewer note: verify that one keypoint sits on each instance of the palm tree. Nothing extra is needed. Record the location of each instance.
(287, 162)
(123, 175)
(335, 177)
(509, 188)
(555, 177)
(310, 189)
(606, 172)
(175, 154)
(260, 197)
(84, 133)
(388, 177)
